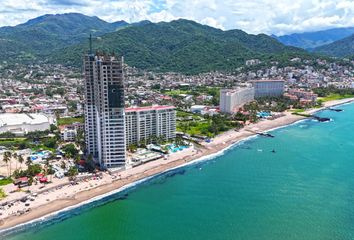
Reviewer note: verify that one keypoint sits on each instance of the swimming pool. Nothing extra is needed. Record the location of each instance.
(174, 148)
(39, 155)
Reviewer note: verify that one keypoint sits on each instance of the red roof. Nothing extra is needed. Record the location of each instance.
(43, 179)
(150, 108)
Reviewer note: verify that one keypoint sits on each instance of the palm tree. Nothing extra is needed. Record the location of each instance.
(30, 182)
(63, 165)
(14, 155)
(47, 164)
(142, 143)
(50, 170)
(6, 160)
(20, 160)
(153, 139)
(72, 173)
(9, 155)
(28, 161)
(184, 127)
(179, 141)
(77, 159)
(90, 163)
(132, 147)
(80, 139)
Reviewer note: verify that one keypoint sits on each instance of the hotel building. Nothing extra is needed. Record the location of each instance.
(104, 110)
(231, 100)
(268, 88)
(144, 123)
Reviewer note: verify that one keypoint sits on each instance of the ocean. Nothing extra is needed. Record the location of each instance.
(304, 189)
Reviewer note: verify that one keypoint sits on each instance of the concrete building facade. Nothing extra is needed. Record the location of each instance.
(231, 100)
(147, 123)
(68, 135)
(268, 88)
(104, 110)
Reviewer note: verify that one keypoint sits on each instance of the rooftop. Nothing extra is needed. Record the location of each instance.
(22, 118)
(268, 80)
(150, 108)
(235, 90)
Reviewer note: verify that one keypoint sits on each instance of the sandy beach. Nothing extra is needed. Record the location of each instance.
(61, 195)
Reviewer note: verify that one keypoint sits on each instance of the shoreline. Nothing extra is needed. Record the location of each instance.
(143, 173)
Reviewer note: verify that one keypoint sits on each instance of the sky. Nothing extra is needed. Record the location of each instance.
(277, 17)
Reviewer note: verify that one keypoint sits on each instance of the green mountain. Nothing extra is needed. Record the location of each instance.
(311, 40)
(181, 46)
(42, 35)
(340, 48)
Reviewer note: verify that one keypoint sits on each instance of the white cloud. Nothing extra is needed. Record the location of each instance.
(256, 16)
(212, 22)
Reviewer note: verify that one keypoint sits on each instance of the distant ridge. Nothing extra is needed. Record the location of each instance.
(41, 35)
(181, 45)
(340, 48)
(311, 40)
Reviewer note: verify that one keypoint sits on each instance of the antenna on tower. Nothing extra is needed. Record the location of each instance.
(90, 40)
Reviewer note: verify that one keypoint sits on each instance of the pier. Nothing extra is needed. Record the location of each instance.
(262, 134)
(334, 109)
(320, 119)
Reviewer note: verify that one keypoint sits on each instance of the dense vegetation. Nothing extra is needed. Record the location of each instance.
(198, 125)
(340, 48)
(182, 46)
(271, 104)
(333, 93)
(40, 36)
(35, 140)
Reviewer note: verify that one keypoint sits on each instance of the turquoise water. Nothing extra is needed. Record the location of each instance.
(305, 190)
(175, 148)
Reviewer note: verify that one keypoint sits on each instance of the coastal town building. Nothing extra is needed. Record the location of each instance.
(197, 108)
(148, 123)
(252, 62)
(23, 123)
(268, 88)
(69, 132)
(231, 100)
(302, 95)
(104, 110)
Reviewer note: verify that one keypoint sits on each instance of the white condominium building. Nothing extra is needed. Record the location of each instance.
(147, 123)
(268, 88)
(231, 100)
(104, 110)
(68, 135)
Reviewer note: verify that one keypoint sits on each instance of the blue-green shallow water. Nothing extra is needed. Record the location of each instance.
(303, 191)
